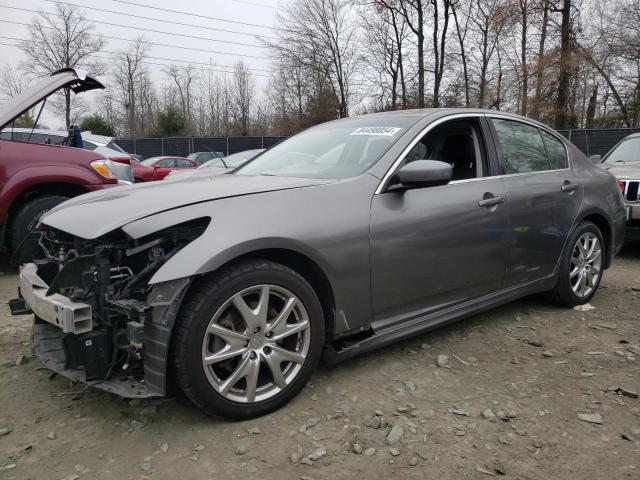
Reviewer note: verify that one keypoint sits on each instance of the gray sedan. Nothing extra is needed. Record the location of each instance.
(344, 238)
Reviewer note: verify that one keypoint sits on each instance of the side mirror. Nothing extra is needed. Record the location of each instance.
(424, 173)
(595, 158)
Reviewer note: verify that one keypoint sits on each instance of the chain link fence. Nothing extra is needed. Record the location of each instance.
(596, 141)
(183, 146)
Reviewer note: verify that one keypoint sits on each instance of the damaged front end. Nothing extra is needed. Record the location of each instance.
(97, 318)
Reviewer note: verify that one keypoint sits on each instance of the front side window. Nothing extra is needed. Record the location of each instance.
(522, 147)
(556, 151)
(334, 150)
(627, 151)
(458, 143)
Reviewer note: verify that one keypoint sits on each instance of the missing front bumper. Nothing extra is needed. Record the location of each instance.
(58, 310)
(47, 346)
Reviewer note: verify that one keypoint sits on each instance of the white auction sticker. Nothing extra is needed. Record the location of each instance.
(376, 131)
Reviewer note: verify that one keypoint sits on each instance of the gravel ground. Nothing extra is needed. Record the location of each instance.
(517, 394)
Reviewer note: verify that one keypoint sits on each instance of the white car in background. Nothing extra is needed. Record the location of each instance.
(105, 146)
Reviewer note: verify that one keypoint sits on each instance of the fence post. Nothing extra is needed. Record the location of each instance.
(227, 145)
(586, 141)
(135, 147)
(262, 142)
(162, 145)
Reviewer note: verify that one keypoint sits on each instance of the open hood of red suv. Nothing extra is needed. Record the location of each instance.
(77, 80)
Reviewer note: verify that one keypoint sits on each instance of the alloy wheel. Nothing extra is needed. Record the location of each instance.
(586, 265)
(256, 343)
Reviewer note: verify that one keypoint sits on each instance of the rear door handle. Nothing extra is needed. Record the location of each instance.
(491, 201)
(567, 186)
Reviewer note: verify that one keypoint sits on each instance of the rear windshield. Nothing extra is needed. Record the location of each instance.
(334, 150)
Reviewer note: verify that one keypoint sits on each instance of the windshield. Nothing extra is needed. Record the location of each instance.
(334, 150)
(626, 151)
(232, 161)
(114, 146)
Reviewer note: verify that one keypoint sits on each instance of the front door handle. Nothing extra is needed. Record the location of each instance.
(490, 201)
(567, 186)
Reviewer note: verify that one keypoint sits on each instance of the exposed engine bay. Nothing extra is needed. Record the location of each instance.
(97, 318)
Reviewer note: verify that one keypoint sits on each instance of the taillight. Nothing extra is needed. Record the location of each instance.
(126, 160)
(620, 185)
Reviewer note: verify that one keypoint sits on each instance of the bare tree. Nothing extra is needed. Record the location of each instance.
(412, 13)
(540, 61)
(242, 93)
(461, 33)
(12, 82)
(384, 34)
(184, 78)
(130, 75)
(439, 44)
(61, 40)
(562, 101)
(524, 64)
(322, 36)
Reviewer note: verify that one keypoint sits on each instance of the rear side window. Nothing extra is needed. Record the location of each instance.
(183, 163)
(555, 150)
(522, 147)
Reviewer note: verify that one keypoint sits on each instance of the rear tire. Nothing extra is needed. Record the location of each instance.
(247, 339)
(27, 218)
(581, 266)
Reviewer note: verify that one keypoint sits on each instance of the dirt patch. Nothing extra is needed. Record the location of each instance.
(524, 391)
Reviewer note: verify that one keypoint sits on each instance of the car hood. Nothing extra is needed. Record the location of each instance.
(623, 170)
(76, 80)
(95, 214)
(196, 173)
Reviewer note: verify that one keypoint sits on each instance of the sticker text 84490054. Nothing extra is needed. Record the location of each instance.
(377, 131)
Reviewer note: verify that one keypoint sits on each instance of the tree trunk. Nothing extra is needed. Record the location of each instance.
(439, 45)
(540, 61)
(420, 37)
(465, 71)
(562, 102)
(523, 57)
(591, 108)
(400, 66)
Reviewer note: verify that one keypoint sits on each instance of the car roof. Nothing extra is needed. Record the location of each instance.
(63, 133)
(426, 112)
(633, 135)
(76, 80)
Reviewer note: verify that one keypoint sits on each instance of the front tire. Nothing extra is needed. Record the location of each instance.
(581, 266)
(247, 339)
(26, 219)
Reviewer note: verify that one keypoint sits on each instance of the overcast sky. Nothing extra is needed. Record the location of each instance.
(257, 12)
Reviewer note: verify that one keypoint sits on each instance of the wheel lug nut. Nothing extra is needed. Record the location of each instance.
(267, 350)
(253, 355)
(256, 330)
(269, 334)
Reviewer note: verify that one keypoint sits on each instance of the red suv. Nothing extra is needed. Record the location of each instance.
(36, 177)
